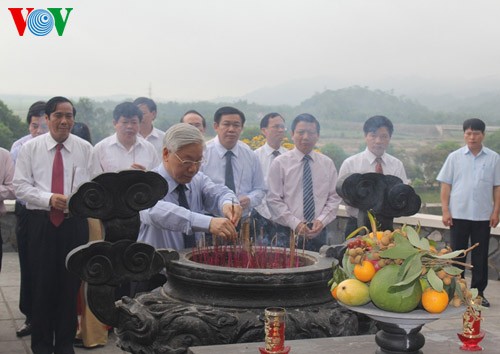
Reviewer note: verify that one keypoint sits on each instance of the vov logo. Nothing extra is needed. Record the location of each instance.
(40, 22)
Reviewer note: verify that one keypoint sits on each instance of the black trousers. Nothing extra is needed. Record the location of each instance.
(55, 289)
(476, 231)
(25, 298)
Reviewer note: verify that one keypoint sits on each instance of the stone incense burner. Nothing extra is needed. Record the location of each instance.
(200, 304)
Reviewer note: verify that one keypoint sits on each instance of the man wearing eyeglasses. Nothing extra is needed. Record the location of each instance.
(378, 132)
(272, 126)
(170, 224)
(125, 149)
(231, 162)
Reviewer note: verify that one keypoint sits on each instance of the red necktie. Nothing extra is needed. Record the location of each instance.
(378, 165)
(56, 215)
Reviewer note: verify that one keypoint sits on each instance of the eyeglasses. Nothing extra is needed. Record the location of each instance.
(188, 163)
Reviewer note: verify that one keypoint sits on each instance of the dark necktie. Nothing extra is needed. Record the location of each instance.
(189, 241)
(276, 153)
(378, 165)
(229, 175)
(308, 190)
(57, 216)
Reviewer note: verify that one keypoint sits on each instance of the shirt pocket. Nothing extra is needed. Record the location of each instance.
(486, 174)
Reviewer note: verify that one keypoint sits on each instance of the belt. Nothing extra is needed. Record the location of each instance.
(43, 212)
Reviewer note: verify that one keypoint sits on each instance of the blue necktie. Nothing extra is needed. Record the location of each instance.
(307, 190)
(229, 176)
(189, 241)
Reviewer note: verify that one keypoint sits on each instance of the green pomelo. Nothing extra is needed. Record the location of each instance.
(401, 299)
(353, 292)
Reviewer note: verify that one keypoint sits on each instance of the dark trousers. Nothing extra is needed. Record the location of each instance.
(267, 232)
(25, 298)
(350, 225)
(476, 231)
(55, 289)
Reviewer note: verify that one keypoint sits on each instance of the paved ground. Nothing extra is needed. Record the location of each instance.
(11, 318)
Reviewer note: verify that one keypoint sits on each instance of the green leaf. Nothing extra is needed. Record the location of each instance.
(436, 283)
(415, 239)
(403, 249)
(454, 254)
(451, 270)
(409, 270)
(347, 266)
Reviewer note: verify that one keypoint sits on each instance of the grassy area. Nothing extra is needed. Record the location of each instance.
(429, 196)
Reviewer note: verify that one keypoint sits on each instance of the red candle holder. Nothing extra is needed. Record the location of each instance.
(275, 331)
(471, 334)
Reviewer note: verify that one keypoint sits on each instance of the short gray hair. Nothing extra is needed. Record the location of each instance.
(180, 135)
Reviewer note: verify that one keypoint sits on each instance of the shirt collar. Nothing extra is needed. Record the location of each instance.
(299, 155)
(372, 157)
(221, 150)
(172, 184)
(51, 143)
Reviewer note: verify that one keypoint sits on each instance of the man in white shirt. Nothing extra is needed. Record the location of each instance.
(125, 149)
(195, 119)
(36, 126)
(378, 132)
(147, 130)
(272, 126)
(48, 169)
(245, 178)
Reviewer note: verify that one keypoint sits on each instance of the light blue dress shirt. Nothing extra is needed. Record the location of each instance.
(472, 179)
(162, 226)
(248, 176)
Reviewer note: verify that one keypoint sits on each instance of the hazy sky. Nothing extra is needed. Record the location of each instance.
(202, 49)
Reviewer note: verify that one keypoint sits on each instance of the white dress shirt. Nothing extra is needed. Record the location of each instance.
(156, 138)
(265, 156)
(285, 197)
(6, 176)
(248, 177)
(162, 226)
(16, 146)
(364, 162)
(111, 156)
(33, 172)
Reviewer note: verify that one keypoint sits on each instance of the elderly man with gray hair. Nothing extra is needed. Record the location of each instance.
(178, 220)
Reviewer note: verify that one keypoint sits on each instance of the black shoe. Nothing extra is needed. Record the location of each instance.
(485, 302)
(25, 330)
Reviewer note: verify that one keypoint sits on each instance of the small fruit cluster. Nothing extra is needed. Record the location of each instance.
(398, 271)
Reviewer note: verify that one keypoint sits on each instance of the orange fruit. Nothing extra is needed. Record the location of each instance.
(435, 301)
(379, 235)
(364, 271)
(334, 292)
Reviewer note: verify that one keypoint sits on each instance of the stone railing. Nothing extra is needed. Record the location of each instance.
(431, 225)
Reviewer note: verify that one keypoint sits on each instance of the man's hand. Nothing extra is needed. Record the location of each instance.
(494, 220)
(244, 201)
(58, 201)
(316, 228)
(310, 231)
(222, 227)
(232, 212)
(447, 220)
